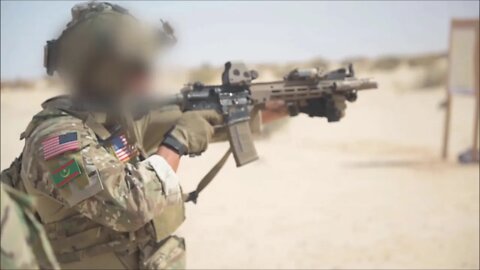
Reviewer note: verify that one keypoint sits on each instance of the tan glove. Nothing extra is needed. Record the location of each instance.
(331, 107)
(193, 131)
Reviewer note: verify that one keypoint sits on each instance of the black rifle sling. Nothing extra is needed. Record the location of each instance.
(193, 196)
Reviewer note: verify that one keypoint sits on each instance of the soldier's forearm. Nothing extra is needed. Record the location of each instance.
(172, 157)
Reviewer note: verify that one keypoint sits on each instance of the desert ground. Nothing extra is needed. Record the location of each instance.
(367, 192)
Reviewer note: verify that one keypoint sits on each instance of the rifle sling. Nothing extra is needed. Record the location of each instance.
(193, 196)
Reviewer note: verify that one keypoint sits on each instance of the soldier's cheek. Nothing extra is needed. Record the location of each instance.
(140, 84)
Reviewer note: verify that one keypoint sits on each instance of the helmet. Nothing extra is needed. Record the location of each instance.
(101, 47)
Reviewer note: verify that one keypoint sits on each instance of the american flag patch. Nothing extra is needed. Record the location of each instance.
(57, 145)
(121, 148)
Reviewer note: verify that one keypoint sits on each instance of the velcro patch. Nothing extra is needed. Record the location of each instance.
(66, 173)
(57, 145)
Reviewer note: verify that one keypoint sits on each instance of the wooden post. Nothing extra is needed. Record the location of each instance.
(446, 130)
(477, 97)
(476, 127)
(474, 25)
(446, 126)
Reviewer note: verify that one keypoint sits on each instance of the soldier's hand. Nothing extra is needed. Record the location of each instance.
(193, 131)
(332, 107)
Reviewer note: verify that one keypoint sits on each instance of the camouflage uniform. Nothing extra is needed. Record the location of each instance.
(24, 242)
(105, 200)
(101, 208)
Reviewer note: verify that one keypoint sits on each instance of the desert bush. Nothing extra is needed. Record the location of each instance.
(205, 74)
(318, 63)
(17, 84)
(278, 71)
(426, 60)
(272, 128)
(359, 63)
(52, 82)
(434, 75)
(282, 70)
(386, 63)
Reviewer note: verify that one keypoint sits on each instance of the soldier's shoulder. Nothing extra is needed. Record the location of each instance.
(51, 129)
(50, 121)
(53, 118)
(54, 155)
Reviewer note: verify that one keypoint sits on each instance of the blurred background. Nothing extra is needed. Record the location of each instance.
(370, 191)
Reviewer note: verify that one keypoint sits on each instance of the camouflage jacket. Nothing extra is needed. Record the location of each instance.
(99, 193)
(24, 242)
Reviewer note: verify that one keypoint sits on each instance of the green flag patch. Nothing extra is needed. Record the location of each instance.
(66, 173)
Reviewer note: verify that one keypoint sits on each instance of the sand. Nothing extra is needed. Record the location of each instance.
(368, 192)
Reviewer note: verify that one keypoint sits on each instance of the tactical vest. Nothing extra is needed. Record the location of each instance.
(74, 237)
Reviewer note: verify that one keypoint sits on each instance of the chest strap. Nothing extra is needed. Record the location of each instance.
(100, 130)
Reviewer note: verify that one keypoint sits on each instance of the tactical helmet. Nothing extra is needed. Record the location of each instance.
(101, 46)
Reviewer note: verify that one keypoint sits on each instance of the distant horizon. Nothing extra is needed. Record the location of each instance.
(220, 65)
(215, 32)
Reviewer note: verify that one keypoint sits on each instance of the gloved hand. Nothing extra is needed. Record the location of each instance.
(192, 132)
(332, 107)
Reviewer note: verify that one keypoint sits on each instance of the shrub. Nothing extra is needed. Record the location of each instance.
(386, 63)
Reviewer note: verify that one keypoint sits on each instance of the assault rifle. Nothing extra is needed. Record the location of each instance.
(238, 99)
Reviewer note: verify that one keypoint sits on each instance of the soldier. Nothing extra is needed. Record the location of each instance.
(24, 242)
(102, 169)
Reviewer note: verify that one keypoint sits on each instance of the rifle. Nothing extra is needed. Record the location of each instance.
(238, 99)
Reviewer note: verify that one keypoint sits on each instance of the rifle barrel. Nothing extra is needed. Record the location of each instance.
(357, 84)
(305, 89)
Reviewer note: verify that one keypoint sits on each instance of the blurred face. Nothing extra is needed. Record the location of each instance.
(110, 57)
(136, 47)
(140, 83)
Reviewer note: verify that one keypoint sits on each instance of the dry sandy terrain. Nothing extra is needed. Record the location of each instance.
(368, 192)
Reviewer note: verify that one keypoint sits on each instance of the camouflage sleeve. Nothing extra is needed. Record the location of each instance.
(121, 196)
(24, 242)
(18, 253)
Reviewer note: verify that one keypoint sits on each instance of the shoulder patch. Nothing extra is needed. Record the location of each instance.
(122, 149)
(56, 145)
(74, 178)
(66, 173)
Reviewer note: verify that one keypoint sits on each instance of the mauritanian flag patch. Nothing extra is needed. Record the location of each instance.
(66, 173)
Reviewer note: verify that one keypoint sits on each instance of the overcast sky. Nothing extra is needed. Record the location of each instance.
(215, 32)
